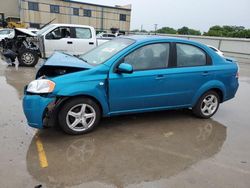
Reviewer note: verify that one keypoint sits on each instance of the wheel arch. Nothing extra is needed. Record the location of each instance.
(61, 100)
(219, 92)
(218, 87)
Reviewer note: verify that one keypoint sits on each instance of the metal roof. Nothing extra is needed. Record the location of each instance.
(105, 6)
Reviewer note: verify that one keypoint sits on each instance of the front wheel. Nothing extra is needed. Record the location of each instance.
(79, 116)
(28, 58)
(207, 105)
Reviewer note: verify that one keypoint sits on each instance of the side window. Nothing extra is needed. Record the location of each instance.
(122, 17)
(76, 11)
(54, 9)
(59, 33)
(33, 6)
(153, 56)
(83, 33)
(35, 25)
(189, 55)
(87, 13)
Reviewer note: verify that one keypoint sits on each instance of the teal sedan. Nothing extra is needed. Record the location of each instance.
(133, 74)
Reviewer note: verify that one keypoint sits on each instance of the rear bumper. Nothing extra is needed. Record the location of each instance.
(232, 90)
(34, 107)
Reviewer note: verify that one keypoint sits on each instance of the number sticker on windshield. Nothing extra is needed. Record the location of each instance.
(109, 50)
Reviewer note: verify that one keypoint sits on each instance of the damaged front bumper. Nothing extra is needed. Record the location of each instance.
(35, 108)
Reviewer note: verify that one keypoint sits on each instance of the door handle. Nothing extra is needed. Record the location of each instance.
(205, 73)
(160, 77)
(70, 42)
(91, 43)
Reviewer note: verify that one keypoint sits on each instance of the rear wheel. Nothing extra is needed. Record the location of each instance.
(207, 105)
(79, 116)
(28, 58)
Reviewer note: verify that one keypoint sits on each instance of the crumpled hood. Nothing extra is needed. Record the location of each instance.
(60, 64)
(65, 60)
(25, 31)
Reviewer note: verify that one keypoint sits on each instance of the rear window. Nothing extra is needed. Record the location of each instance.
(83, 33)
(189, 56)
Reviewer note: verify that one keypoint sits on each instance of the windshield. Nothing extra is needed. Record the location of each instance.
(105, 51)
(40, 32)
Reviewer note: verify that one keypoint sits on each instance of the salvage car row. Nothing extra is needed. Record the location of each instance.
(28, 47)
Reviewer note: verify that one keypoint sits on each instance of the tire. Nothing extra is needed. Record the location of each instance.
(28, 58)
(207, 105)
(79, 116)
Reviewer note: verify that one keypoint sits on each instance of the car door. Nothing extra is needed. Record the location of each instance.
(83, 40)
(192, 69)
(144, 88)
(59, 39)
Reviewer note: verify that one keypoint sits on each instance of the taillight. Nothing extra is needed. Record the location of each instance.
(237, 75)
(238, 71)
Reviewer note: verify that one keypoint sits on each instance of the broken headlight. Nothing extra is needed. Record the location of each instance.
(41, 86)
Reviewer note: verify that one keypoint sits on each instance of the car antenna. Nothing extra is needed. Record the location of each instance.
(47, 23)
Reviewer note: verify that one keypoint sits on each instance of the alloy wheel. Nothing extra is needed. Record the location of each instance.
(209, 105)
(81, 117)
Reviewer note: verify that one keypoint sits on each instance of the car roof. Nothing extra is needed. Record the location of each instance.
(148, 38)
(71, 25)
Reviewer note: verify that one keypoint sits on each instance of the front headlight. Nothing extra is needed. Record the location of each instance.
(41, 86)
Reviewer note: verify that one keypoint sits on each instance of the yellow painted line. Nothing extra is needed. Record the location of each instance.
(41, 153)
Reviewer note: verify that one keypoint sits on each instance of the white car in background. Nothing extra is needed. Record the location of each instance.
(216, 50)
(10, 33)
(6, 33)
(106, 35)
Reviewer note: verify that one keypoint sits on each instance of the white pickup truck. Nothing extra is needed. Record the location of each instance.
(29, 47)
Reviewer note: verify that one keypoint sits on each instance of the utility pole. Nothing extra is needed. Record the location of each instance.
(141, 28)
(156, 28)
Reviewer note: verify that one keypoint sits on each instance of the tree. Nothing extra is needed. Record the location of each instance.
(167, 30)
(183, 31)
(194, 32)
(137, 30)
(228, 31)
(187, 31)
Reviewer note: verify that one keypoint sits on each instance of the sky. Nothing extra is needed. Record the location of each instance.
(196, 14)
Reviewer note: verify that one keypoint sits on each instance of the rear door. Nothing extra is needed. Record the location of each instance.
(192, 69)
(83, 40)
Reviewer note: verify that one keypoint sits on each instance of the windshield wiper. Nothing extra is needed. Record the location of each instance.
(78, 57)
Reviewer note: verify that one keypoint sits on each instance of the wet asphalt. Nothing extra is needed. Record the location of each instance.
(160, 149)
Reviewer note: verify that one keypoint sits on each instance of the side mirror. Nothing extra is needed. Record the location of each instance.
(125, 68)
